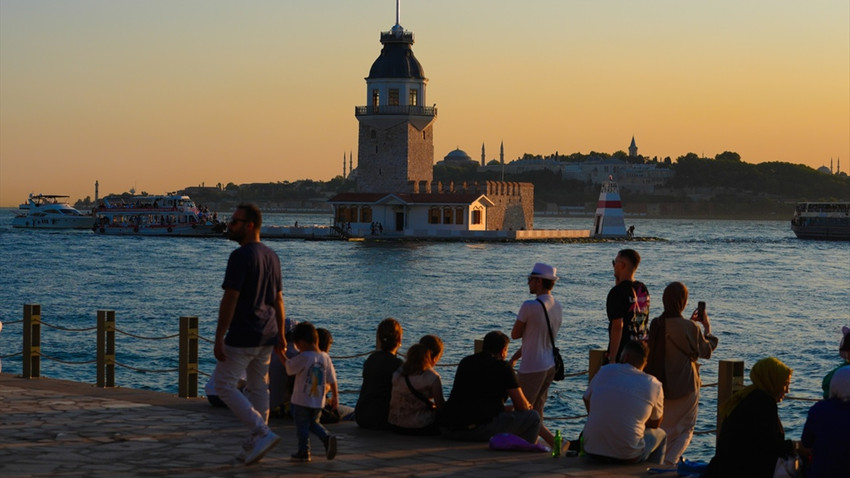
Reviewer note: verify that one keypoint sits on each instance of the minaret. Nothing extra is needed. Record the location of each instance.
(502, 153)
(633, 148)
(483, 156)
(350, 162)
(396, 138)
(343, 165)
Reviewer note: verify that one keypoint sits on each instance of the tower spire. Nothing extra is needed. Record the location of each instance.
(398, 12)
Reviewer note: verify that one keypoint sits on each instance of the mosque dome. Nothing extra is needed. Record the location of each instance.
(396, 59)
(457, 156)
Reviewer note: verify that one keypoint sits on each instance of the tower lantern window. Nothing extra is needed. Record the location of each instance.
(413, 99)
(393, 97)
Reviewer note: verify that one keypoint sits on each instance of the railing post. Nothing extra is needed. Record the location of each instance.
(730, 379)
(105, 348)
(187, 370)
(32, 341)
(597, 356)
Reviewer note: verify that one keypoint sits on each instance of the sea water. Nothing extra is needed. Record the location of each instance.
(768, 293)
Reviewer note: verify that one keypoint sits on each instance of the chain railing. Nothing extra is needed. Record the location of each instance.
(730, 376)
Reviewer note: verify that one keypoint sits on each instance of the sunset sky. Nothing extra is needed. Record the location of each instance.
(157, 95)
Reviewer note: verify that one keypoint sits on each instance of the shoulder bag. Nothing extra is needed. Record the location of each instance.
(556, 354)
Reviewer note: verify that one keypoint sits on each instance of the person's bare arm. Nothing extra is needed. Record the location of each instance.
(614, 337)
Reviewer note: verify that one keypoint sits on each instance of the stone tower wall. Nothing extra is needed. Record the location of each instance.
(392, 158)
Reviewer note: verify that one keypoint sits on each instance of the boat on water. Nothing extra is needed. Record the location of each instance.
(155, 215)
(50, 211)
(822, 220)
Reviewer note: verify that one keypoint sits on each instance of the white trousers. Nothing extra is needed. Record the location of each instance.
(252, 406)
(680, 417)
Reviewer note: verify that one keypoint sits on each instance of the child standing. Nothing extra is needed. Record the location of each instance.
(314, 375)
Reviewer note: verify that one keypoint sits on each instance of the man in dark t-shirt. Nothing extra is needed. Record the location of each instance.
(250, 327)
(475, 410)
(627, 305)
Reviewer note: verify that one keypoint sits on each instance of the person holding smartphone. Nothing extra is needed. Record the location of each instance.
(675, 345)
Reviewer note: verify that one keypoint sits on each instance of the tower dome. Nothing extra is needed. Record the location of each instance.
(396, 59)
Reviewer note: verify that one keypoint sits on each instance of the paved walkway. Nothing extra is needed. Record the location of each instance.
(57, 428)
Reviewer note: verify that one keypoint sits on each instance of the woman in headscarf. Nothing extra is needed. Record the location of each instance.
(751, 438)
(675, 345)
(825, 434)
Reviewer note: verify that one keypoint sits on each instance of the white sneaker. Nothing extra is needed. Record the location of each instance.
(247, 446)
(262, 445)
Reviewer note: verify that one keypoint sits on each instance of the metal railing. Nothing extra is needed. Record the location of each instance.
(730, 376)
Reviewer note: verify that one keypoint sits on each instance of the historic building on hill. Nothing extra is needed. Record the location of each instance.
(395, 170)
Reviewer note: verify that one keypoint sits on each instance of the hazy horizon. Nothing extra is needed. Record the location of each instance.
(158, 96)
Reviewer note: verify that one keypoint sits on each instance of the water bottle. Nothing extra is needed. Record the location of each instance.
(556, 448)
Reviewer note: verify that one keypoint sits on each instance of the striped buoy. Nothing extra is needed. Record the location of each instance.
(609, 212)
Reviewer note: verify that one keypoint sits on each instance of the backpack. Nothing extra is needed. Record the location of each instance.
(638, 328)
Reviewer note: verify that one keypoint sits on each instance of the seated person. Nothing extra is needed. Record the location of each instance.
(844, 351)
(751, 438)
(624, 410)
(280, 383)
(825, 435)
(475, 410)
(417, 394)
(373, 405)
(342, 412)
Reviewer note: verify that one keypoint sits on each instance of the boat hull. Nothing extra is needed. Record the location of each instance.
(824, 232)
(73, 222)
(180, 230)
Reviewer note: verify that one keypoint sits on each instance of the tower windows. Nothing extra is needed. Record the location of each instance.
(376, 99)
(413, 97)
(393, 97)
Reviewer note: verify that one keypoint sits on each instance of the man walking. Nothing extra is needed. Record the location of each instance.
(537, 324)
(475, 410)
(250, 327)
(627, 305)
(625, 407)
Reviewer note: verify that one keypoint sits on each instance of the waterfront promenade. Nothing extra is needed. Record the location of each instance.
(58, 428)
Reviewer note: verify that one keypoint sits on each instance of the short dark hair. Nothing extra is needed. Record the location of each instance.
(635, 352)
(325, 339)
(631, 255)
(305, 332)
(547, 284)
(495, 342)
(252, 214)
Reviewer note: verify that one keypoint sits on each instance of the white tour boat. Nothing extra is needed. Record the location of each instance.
(159, 215)
(50, 211)
(822, 220)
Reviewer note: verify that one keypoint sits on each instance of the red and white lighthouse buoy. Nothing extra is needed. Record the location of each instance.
(609, 212)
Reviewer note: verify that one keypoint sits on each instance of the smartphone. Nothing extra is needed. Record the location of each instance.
(700, 310)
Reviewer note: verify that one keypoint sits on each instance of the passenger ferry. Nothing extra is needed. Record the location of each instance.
(171, 214)
(50, 211)
(822, 220)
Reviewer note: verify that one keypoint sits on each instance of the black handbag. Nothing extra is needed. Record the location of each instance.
(556, 354)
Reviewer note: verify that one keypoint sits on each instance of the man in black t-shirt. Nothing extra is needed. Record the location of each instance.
(627, 305)
(475, 410)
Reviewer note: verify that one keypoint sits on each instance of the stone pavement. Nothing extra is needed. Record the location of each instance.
(57, 428)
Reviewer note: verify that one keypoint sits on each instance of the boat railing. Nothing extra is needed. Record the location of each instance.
(730, 372)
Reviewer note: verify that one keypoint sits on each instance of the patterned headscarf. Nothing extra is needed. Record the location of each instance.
(768, 374)
(840, 385)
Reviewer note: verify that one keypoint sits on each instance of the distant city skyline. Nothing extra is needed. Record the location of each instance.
(158, 96)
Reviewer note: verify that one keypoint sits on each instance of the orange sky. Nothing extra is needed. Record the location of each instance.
(163, 95)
